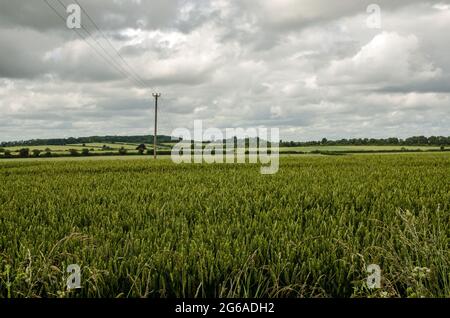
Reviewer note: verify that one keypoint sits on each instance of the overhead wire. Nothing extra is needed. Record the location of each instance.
(130, 68)
(118, 65)
(105, 57)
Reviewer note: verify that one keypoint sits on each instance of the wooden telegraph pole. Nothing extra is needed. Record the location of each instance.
(155, 136)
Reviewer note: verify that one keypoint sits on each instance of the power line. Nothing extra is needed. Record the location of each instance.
(124, 71)
(85, 40)
(105, 59)
(130, 68)
(129, 74)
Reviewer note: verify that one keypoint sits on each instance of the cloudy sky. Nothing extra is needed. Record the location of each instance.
(312, 68)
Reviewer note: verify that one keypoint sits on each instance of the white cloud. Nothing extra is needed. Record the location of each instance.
(388, 58)
(311, 68)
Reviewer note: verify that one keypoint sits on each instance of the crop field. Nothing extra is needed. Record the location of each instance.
(79, 147)
(43, 148)
(100, 146)
(94, 148)
(144, 228)
(357, 148)
(110, 149)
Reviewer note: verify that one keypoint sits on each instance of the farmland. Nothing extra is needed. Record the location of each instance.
(109, 149)
(144, 228)
(358, 148)
(94, 148)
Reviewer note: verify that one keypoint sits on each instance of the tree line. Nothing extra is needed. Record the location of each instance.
(86, 140)
(148, 139)
(411, 141)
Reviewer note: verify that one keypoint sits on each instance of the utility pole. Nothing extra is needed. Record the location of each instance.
(155, 136)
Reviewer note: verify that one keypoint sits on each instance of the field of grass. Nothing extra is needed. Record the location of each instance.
(94, 148)
(43, 148)
(356, 148)
(97, 148)
(155, 229)
(79, 147)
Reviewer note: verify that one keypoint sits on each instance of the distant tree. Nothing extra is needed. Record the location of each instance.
(324, 141)
(24, 152)
(8, 153)
(393, 141)
(141, 148)
(433, 140)
(48, 150)
(36, 152)
(2, 150)
(73, 152)
(442, 148)
(85, 152)
(122, 151)
(417, 141)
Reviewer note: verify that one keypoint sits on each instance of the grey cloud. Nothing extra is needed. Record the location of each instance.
(110, 15)
(287, 64)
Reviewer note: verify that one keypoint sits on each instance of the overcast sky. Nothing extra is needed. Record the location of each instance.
(312, 68)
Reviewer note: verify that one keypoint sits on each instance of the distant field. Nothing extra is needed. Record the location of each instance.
(116, 146)
(90, 146)
(42, 148)
(357, 148)
(93, 148)
(145, 228)
(96, 149)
